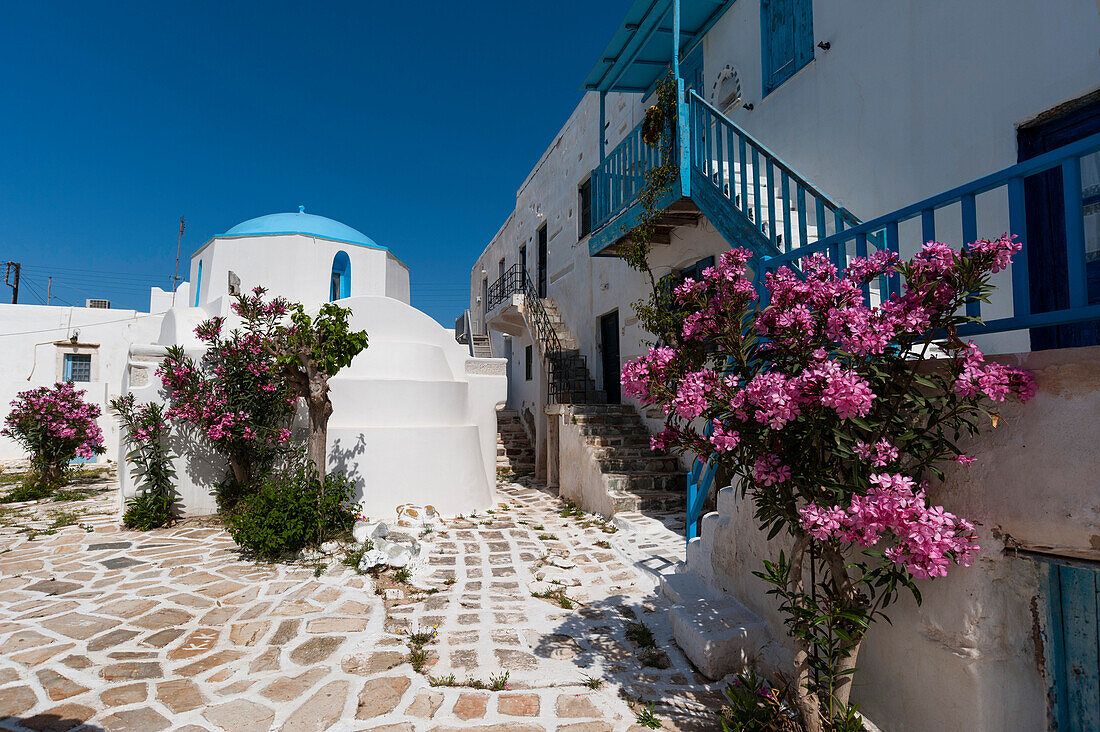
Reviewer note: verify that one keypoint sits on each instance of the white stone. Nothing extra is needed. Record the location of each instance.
(562, 562)
(364, 530)
(371, 559)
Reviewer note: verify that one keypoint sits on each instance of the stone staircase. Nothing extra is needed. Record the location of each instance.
(481, 346)
(635, 478)
(569, 369)
(514, 452)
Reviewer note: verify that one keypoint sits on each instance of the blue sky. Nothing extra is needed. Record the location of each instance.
(412, 122)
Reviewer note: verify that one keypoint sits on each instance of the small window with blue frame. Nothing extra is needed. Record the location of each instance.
(78, 367)
(786, 39)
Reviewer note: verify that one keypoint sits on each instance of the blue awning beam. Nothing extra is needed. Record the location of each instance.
(652, 37)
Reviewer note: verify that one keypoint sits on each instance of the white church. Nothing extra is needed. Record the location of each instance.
(414, 416)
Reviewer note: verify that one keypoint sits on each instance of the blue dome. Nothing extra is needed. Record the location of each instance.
(302, 223)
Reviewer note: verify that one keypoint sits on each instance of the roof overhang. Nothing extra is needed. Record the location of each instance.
(641, 48)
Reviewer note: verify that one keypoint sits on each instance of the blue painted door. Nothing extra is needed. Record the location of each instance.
(691, 70)
(1075, 648)
(1046, 226)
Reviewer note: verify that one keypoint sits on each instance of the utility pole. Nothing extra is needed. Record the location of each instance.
(13, 283)
(49, 289)
(176, 272)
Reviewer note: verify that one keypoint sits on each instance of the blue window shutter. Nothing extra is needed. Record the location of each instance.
(787, 39)
(68, 367)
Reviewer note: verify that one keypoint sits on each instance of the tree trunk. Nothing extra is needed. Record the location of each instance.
(52, 474)
(807, 702)
(320, 409)
(240, 474)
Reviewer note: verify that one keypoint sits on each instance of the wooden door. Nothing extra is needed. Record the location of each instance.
(609, 346)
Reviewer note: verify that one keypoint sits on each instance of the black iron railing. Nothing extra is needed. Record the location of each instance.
(567, 371)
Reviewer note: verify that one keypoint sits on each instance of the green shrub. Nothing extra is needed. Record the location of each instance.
(32, 488)
(291, 511)
(145, 431)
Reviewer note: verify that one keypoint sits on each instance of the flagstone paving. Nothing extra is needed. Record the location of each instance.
(174, 629)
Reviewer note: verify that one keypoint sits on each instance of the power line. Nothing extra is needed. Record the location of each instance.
(85, 325)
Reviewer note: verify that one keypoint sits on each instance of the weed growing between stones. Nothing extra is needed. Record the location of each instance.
(499, 682)
(556, 595)
(591, 682)
(640, 635)
(448, 680)
(646, 718)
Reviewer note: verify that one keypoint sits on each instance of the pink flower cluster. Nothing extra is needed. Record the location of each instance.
(992, 379)
(926, 540)
(652, 368)
(881, 454)
(55, 424)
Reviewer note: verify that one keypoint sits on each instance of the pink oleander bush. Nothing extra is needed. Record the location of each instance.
(833, 411)
(55, 425)
(234, 399)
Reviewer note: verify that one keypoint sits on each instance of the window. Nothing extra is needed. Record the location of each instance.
(527, 370)
(78, 367)
(340, 283)
(198, 283)
(500, 269)
(786, 39)
(695, 271)
(585, 194)
(523, 260)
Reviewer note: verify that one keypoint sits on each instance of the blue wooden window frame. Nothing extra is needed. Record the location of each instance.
(198, 283)
(78, 367)
(340, 281)
(786, 39)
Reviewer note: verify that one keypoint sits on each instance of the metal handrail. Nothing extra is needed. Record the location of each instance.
(463, 328)
(566, 369)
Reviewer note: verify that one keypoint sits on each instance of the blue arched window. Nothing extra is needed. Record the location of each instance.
(198, 284)
(341, 277)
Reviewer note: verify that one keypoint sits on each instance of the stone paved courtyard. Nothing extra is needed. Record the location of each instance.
(102, 628)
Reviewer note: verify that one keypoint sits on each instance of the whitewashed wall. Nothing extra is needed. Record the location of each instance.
(296, 266)
(33, 339)
(912, 98)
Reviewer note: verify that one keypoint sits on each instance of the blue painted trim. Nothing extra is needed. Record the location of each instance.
(198, 284)
(341, 267)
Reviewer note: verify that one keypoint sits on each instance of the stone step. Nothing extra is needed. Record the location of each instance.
(719, 634)
(649, 465)
(634, 481)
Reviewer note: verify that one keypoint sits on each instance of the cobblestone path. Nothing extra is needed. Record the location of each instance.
(102, 628)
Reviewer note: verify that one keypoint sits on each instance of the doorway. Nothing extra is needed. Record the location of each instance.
(542, 260)
(609, 347)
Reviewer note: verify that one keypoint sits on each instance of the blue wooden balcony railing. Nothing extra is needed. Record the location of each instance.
(786, 208)
(618, 180)
(1003, 208)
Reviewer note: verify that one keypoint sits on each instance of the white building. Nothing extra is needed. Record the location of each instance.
(42, 345)
(414, 415)
(413, 387)
(795, 115)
